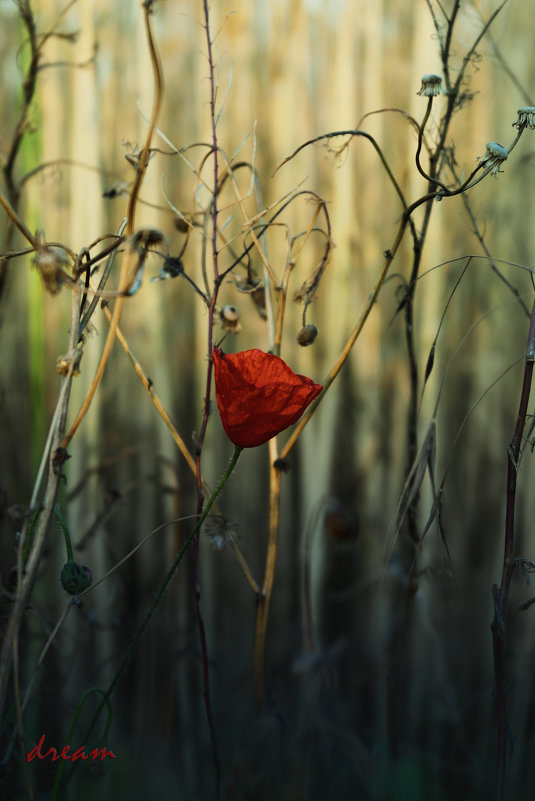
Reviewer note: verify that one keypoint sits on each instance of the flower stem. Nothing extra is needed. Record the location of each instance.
(66, 534)
(126, 659)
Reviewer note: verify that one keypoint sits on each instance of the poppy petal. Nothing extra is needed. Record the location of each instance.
(258, 395)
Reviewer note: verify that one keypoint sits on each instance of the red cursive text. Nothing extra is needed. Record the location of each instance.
(53, 754)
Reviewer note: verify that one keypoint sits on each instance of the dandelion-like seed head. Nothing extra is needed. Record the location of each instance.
(493, 157)
(221, 532)
(526, 117)
(431, 85)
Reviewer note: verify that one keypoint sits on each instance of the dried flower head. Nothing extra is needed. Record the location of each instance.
(51, 265)
(526, 117)
(230, 318)
(493, 157)
(431, 85)
(258, 395)
(221, 532)
(172, 268)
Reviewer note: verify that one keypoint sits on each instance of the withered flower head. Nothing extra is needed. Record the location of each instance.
(431, 85)
(493, 157)
(526, 117)
(230, 318)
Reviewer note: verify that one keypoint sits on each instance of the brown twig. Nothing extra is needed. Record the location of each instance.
(125, 277)
(263, 601)
(501, 593)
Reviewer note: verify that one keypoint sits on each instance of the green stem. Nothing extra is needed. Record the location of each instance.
(67, 536)
(148, 616)
(31, 532)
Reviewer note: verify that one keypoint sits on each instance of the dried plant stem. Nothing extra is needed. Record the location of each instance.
(154, 397)
(159, 595)
(214, 212)
(125, 275)
(264, 598)
(501, 593)
(492, 263)
(389, 258)
(178, 439)
(262, 609)
(26, 578)
(15, 219)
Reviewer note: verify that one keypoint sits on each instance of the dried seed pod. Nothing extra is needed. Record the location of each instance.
(146, 237)
(172, 267)
(259, 299)
(307, 335)
(182, 224)
(50, 263)
(230, 318)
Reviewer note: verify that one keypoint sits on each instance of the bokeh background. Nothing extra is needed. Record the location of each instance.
(377, 685)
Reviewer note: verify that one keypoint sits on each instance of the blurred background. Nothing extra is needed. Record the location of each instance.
(379, 680)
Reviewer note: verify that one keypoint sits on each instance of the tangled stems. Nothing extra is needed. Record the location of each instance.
(172, 570)
(125, 277)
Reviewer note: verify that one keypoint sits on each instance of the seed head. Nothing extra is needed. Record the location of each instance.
(431, 85)
(493, 157)
(526, 117)
(220, 532)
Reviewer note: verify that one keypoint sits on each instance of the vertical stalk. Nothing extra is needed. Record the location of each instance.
(262, 609)
(207, 396)
(501, 593)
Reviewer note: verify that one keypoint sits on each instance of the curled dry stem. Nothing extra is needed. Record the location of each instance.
(125, 277)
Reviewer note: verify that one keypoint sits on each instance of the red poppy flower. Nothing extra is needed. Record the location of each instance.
(258, 395)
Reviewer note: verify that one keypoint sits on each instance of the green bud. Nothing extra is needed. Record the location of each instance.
(75, 578)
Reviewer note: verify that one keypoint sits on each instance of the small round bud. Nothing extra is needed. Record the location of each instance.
(75, 578)
(230, 318)
(307, 335)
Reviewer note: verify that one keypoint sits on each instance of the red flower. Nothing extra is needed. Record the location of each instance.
(258, 395)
